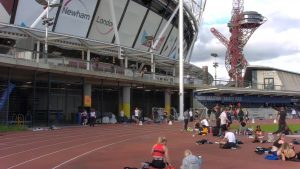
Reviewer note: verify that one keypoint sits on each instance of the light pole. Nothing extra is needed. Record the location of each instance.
(215, 65)
(47, 22)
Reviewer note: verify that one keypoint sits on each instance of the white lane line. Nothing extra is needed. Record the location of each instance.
(76, 157)
(54, 152)
(40, 140)
(64, 142)
(24, 162)
(88, 152)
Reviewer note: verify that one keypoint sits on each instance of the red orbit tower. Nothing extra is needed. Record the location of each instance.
(241, 26)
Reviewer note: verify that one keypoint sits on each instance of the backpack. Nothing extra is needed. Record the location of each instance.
(271, 157)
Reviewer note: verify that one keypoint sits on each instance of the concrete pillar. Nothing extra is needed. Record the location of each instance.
(87, 98)
(38, 49)
(82, 55)
(88, 59)
(126, 62)
(168, 101)
(126, 101)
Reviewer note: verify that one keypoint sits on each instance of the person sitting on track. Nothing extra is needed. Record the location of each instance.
(258, 135)
(190, 161)
(229, 141)
(287, 152)
(277, 144)
(160, 154)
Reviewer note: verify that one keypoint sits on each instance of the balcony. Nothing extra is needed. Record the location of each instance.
(76, 66)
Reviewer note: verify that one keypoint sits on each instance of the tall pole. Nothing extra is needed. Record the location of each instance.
(215, 65)
(46, 31)
(181, 90)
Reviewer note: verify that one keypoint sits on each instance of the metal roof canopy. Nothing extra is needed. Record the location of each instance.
(246, 91)
(209, 96)
(79, 43)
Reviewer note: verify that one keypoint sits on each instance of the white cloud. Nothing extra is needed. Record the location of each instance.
(274, 44)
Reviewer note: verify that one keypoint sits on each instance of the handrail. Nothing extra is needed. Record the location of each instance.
(93, 65)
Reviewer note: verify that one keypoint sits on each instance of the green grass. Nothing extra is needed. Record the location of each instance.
(267, 127)
(5, 128)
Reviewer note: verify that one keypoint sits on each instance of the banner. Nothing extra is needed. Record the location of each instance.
(87, 101)
(5, 95)
(148, 30)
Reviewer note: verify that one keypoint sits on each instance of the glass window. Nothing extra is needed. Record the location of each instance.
(269, 83)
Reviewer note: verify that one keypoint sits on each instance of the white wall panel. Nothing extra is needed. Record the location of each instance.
(5, 10)
(131, 23)
(149, 28)
(163, 38)
(171, 46)
(75, 17)
(28, 11)
(102, 26)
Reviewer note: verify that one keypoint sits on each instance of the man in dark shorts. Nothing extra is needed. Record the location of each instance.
(281, 120)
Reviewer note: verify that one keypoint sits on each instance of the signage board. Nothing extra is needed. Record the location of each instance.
(102, 25)
(75, 17)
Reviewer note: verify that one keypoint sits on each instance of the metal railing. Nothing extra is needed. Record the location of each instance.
(95, 66)
(247, 84)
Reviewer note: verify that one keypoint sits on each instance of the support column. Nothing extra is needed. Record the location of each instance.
(126, 101)
(168, 101)
(181, 73)
(87, 92)
(88, 59)
(126, 62)
(174, 71)
(38, 49)
(82, 55)
(152, 64)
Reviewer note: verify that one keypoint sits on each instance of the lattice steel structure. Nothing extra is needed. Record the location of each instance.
(196, 9)
(241, 26)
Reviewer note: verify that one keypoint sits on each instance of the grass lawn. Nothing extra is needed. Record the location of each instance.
(268, 127)
(5, 128)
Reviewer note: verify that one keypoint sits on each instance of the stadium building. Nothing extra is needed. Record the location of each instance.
(110, 55)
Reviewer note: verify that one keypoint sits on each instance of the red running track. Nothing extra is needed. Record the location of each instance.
(120, 145)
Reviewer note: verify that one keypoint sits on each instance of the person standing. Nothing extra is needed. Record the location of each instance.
(136, 115)
(186, 119)
(190, 161)
(294, 113)
(121, 118)
(281, 115)
(160, 154)
(92, 117)
(240, 114)
(223, 122)
(191, 115)
(84, 117)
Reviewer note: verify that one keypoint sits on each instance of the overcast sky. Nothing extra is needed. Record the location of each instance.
(276, 43)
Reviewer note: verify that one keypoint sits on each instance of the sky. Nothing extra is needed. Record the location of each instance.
(276, 43)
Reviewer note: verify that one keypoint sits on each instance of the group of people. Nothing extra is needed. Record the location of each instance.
(161, 159)
(88, 118)
(281, 148)
(285, 150)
